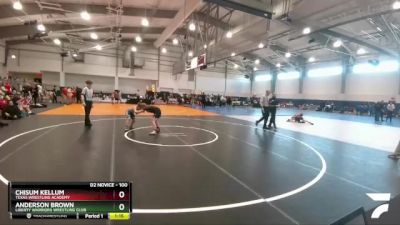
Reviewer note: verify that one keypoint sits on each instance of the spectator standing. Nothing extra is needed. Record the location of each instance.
(40, 92)
(222, 100)
(229, 101)
(70, 94)
(78, 94)
(35, 94)
(203, 100)
(391, 107)
(377, 111)
(383, 109)
(54, 95)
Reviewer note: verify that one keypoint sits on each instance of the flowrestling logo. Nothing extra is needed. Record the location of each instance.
(380, 197)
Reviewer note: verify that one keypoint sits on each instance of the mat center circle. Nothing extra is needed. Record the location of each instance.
(172, 136)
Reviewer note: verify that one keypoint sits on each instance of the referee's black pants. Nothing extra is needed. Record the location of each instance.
(272, 110)
(88, 108)
(265, 116)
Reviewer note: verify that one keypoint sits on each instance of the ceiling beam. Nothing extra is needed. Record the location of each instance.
(280, 52)
(6, 11)
(189, 7)
(326, 42)
(369, 9)
(342, 34)
(263, 61)
(211, 20)
(22, 30)
(389, 29)
(251, 7)
(124, 41)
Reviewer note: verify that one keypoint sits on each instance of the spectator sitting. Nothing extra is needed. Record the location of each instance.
(3, 104)
(11, 111)
(24, 104)
(328, 107)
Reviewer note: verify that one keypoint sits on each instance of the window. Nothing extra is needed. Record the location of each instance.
(382, 67)
(289, 75)
(325, 72)
(266, 77)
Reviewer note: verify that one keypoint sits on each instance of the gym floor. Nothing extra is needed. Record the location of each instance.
(203, 168)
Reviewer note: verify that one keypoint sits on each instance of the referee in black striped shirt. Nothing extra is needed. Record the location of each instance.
(87, 101)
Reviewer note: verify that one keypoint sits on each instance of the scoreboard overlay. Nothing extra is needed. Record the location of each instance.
(70, 200)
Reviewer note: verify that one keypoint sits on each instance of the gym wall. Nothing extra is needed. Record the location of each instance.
(102, 66)
(2, 58)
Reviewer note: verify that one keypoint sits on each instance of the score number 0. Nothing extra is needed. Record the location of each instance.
(121, 195)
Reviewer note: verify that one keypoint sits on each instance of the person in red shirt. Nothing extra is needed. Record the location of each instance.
(8, 88)
(3, 103)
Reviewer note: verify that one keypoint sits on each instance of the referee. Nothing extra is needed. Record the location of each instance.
(87, 101)
(265, 109)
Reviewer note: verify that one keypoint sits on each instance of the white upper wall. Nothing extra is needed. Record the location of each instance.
(210, 82)
(373, 87)
(321, 87)
(287, 88)
(260, 86)
(176, 83)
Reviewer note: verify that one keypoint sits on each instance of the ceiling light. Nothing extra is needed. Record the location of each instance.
(306, 30)
(205, 46)
(57, 41)
(288, 54)
(94, 36)
(337, 43)
(192, 26)
(233, 54)
(175, 41)
(164, 50)
(311, 59)
(261, 45)
(278, 65)
(85, 15)
(257, 61)
(255, 68)
(235, 66)
(98, 47)
(133, 49)
(229, 34)
(396, 5)
(138, 39)
(17, 5)
(145, 22)
(74, 55)
(41, 27)
(190, 53)
(361, 51)
(13, 56)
